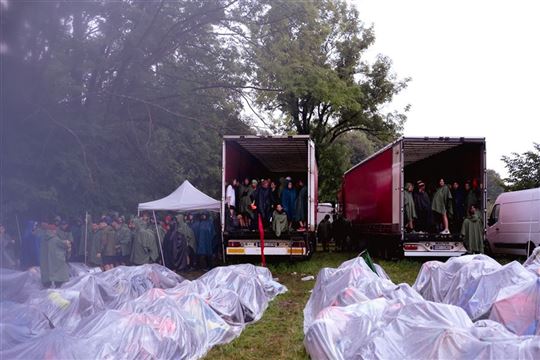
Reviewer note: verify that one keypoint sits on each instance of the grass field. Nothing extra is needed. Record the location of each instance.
(279, 334)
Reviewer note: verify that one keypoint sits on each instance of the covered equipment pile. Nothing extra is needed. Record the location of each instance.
(355, 314)
(508, 294)
(130, 312)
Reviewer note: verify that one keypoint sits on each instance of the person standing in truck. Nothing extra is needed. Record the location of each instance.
(442, 205)
(230, 194)
(471, 199)
(263, 203)
(301, 206)
(472, 232)
(458, 203)
(288, 201)
(409, 210)
(422, 205)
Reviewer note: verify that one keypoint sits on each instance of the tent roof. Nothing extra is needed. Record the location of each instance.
(186, 198)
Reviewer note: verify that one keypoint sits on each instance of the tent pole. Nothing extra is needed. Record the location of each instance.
(85, 236)
(159, 238)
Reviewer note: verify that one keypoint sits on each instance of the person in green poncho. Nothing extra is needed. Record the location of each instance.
(122, 241)
(280, 224)
(94, 246)
(44, 253)
(64, 233)
(472, 232)
(409, 209)
(144, 249)
(442, 204)
(57, 264)
(245, 192)
(187, 232)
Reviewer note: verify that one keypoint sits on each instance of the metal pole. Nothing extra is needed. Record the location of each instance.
(20, 237)
(159, 238)
(85, 236)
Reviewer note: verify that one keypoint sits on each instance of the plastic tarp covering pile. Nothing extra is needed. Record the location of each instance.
(354, 314)
(130, 312)
(508, 294)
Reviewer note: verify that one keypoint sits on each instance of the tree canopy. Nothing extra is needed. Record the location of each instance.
(310, 66)
(109, 103)
(523, 169)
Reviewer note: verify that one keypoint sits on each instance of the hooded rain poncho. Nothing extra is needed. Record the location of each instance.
(123, 239)
(279, 222)
(205, 237)
(144, 249)
(288, 201)
(408, 206)
(301, 205)
(472, 231)
(58, 267)
(442, 201)
(185, 229)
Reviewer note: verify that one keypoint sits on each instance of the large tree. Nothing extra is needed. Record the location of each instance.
(523, 169)
(108, 103)
(309, 65)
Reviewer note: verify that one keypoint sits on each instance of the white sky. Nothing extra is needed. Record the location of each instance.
(475, 68)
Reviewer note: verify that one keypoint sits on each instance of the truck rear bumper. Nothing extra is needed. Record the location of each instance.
(294, 251)
(434, 253)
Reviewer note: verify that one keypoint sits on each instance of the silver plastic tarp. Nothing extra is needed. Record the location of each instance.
(130, 312)
(508, 294)
(354, 314)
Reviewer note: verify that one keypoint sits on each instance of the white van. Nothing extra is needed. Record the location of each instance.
(324, 209)
(514, 223)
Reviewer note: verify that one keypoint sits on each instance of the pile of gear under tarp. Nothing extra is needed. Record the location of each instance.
(355, 313)
(485, 289)
(129, 312)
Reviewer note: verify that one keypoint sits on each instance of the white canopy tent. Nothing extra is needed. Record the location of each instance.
(185, 198)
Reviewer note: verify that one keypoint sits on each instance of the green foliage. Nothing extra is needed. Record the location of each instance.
(523, 170)
(494, 184)
(308, 61)
(113, 103)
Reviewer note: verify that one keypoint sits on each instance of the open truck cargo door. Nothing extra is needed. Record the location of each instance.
(373, 192)
(274, 157)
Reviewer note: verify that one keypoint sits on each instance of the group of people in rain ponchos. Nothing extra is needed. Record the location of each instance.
(280, 205)
(449, 207)
(188, 241)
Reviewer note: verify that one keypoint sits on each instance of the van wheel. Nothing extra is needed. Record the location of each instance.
(487, 249)
(530, 248)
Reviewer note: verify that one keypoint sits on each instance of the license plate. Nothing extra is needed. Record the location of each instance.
(442, 247)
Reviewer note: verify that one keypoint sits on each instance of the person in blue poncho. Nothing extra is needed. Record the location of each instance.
(205, 234)
(30, 245)
(288, 200)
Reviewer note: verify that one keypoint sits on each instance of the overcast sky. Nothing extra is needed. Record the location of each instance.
(475, 67)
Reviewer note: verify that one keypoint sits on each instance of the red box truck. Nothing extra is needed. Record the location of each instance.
(372, 192)
(274, 157)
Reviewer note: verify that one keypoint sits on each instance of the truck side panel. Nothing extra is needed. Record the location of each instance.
(312, 187)
(368, 191)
